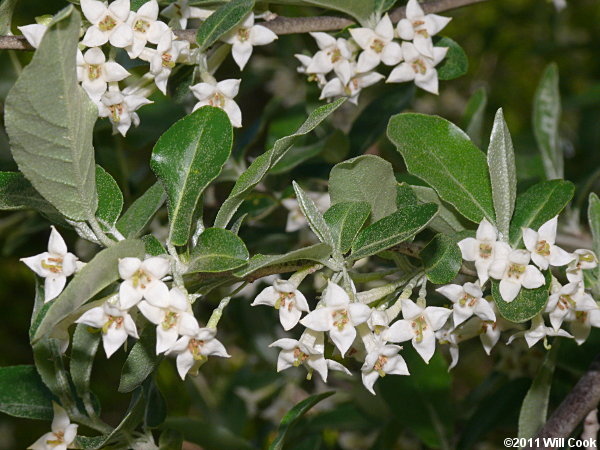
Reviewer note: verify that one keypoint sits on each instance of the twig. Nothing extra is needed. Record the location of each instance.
(581, 400)
(286, 25)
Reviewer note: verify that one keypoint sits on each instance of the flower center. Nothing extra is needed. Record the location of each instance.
(94, 71)
(217, 100)
(340, 318)
(515, 270)
(107, 24)
(581, 316)
(419, 66)
(60, 439)
(141, 26)
(167, 61)
(170, 320)
(299, 356)
(564, 301)
(542, 248)
(380, 364)
(486, 324)
(115, 112)
(587, 257)
(243, 34)
(336, 55)
(116, 320)
(53, 264)
(195, 348)
(141, 279)
(467, 300)
(377, 45)
(419, 326)
(285, 298)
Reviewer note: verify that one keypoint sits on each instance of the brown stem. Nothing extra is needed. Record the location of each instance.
(286, 25)
(581, 400)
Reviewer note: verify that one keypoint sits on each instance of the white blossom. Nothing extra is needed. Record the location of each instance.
(342, 86)
(305, 61)
(295, 219)
(583, 323)
(54, 266)
(108, 23)
(332, 52)
(378, 45)
(146, 27)
(544, 252)
(194, 350)
(172, 320)
(381, 361)
(567, 302)
(514, 272)
(338, 317)
(142, 280)
(162, 59)
(120, 108)
(284, 296)
(379, 321)
(537, 332)
(220, 95)
(116, 324)
(34, 33)
(483, 249)
(418, 325)
(583, 260)
(244, 37)
(419, 27)
(468, 300)
(418, 68)
(94, 72)
(181, 12)
(62, 435)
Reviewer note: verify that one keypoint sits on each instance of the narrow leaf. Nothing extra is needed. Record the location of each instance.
(442, 259)
(345, 221)
(141, 211)
(474, 115)
(110, 198)
(313, 216)
(218, 250)
(221, 21)
(141, 360)
(445, 221)
(84, 347)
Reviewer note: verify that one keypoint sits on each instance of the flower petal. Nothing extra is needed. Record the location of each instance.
(113, 339)
(509, 290)
(452, 292)
(343, 338)
(185, 362)
(289, 317)
(260, 35)
(426, 347)
(53, 286)
(359, 313)
(319, 320)
(241, 52)
(157, 294)
(400, 331)
(157, 266)
(437, 316)
(533, 278)
(165, 339)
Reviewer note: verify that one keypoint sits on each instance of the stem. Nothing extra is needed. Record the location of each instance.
(97, 229)
(285, 25)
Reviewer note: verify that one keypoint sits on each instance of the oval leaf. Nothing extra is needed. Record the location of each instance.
(528, 304)
(442, 259)
(455, 64)
(218, 250)
(23, 394)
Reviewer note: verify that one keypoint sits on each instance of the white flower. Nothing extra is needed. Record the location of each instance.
(468, 300)
(62, 435)
(490, 335)
(342, 86)
(584, 260)
(284, 296)
(194, 350)
(305, 60)
(418, 67)
(332, 52)
(162, 59)
(379, 321)
(246, 36)
(181, 12)
(55, 265)
(145, 27)
(483, 249)
(381, 361)
(94, 72)
(116, 325)
(538, 331)
(143, 280)
(583, 323)
(34, 33)
(419, 27)
(108, 23)
(338, 316)
(567, 302)
(541, 245)
(419, 325)
(120, 108)
(295, 218)
(172, 320)
(220, 95)
(378, 45)
(514, 272)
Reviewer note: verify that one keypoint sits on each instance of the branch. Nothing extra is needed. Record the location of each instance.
(285, 25)
(581, 400)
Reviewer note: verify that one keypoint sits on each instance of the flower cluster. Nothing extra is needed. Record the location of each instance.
(353, 61)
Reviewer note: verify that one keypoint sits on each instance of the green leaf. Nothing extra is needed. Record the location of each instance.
(442, 259)
(50, 120)
(528, 304)
(445, 220)
(110, 198)
(405, 196)
(17, 193)
(594, 222)
(6, 12)
(345, 220)
(540, 203)
(22, 393)
(503, 174)
(442, 155)
(90, 443)
(186, 159)
(261, 165)
(455, 64)
(84, 348)
(546, 118)
(392, 230)
(370, 125)
(141, 361)
(152, 245)
(97, 274)
(474, 115)
(156, 407)
(137, 4)
(316, 253)
(141, 211)
(366, 178)
(361, 10)
(293, 415)
(313, 216)
(222, 21)
(535, 404)
(218, 250)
